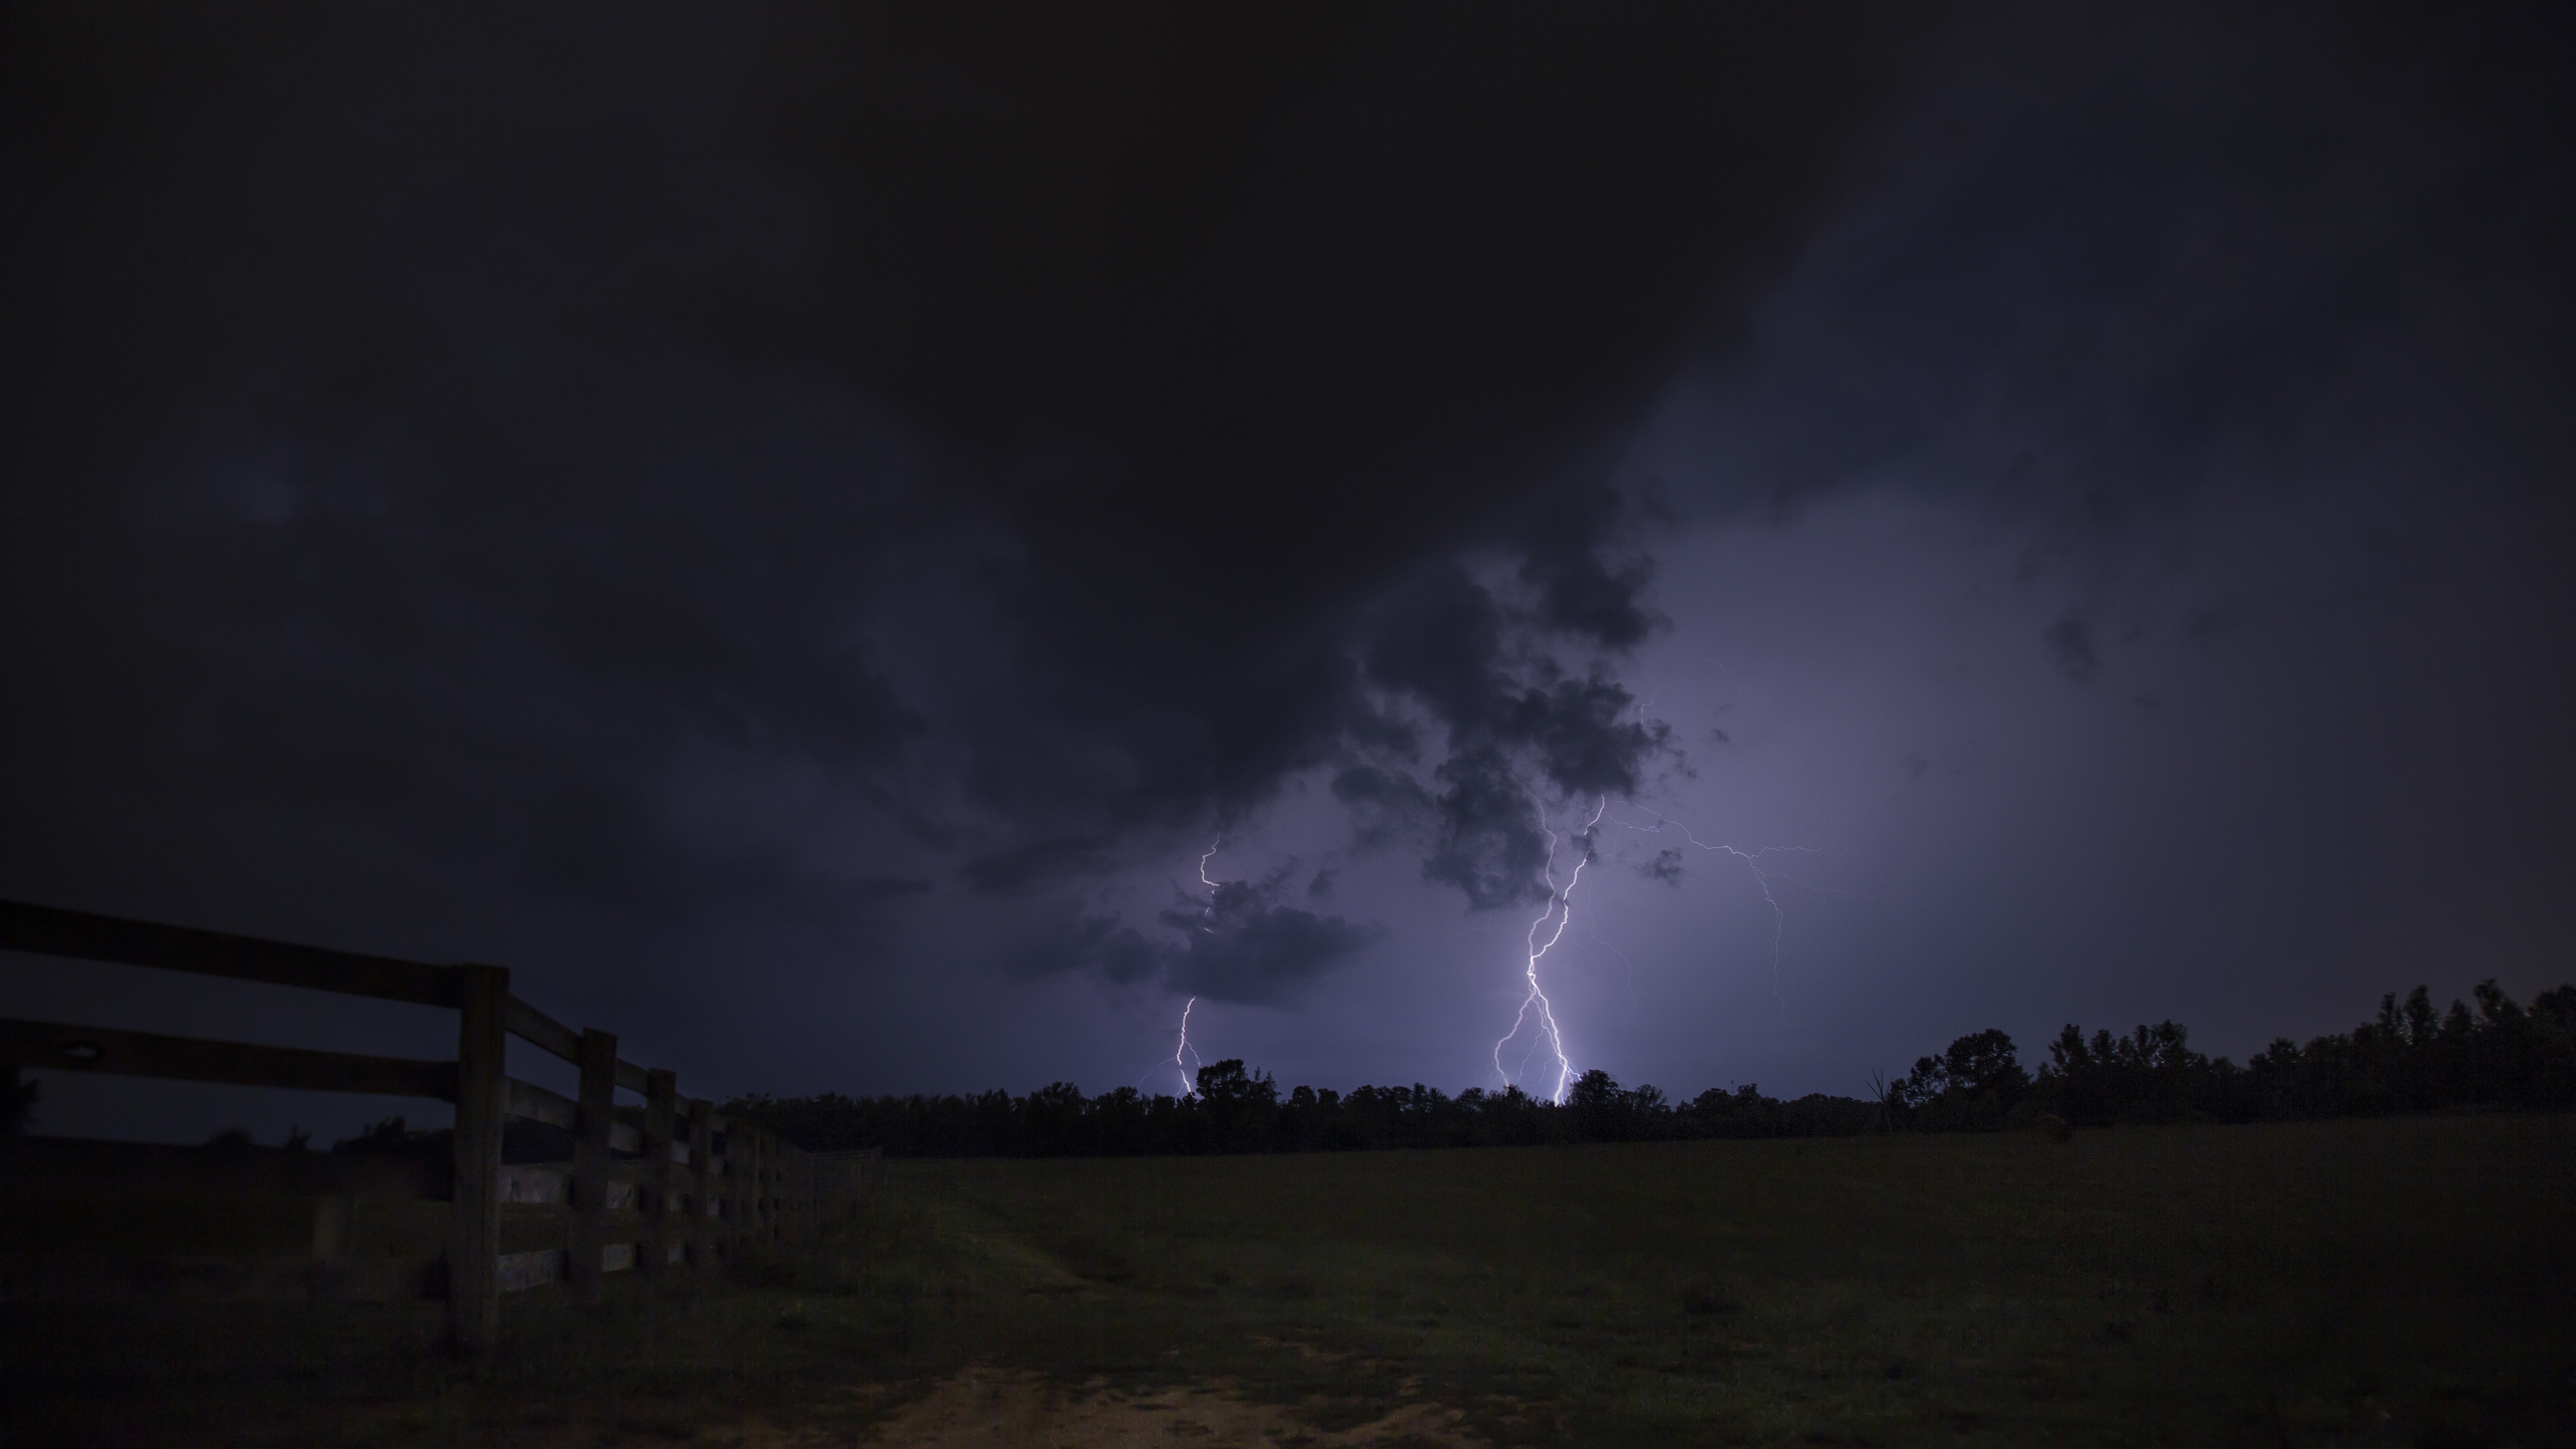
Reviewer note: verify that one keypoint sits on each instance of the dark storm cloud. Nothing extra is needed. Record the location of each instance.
(2120, 261)
(1665, 867)
(2070, 647)
(1246, 947)
(1580, 591)
(1516, 728)
(587, 455)
(1384, 804)
(1038, 863)
(1491, 847)
(2226, 322)
(1238, 945)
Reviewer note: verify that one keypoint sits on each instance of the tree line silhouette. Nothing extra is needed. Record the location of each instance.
(2410, 1059)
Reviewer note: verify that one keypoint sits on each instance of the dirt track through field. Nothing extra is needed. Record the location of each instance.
(985, 1408)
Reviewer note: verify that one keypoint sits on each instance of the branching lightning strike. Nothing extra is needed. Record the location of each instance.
(1560, 908)
(1205, 915)
(1189, 1076)
(1752, 862)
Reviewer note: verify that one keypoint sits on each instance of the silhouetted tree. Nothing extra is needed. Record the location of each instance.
(2408, 1058)
(1973, 1084)
(1241, 1108)
(1599, 1114)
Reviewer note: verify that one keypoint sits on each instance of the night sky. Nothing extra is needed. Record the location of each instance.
(796, 527)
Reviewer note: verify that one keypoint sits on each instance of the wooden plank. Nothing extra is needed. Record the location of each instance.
(550, 1183)
(474, 1239)
(742, 1166)
(660, 1097)
(771, 1168)
(787, 1166)
(48, 931)
(530, 1102)
(544, 1032)
(809, 1186)
(782, 1202)
(187, 1059)
(689, 1109)
(537, 1267)
(547, 1183)
(590, 1159)
(735, 1227)
(701, 1198)
(533, 1103)
(517, 1272)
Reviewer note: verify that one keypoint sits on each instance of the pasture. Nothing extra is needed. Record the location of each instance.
(2398, 1281)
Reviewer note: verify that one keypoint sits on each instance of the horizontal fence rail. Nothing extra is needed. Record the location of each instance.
(186, 1059)
(670, 1187)
(47, 931)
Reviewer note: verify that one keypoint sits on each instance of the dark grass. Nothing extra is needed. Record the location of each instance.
(2405, 1281)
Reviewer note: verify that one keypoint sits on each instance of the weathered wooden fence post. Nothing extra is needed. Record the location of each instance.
(661, 1218)
(730, 1162)
(775, 1156)
(474, 1220)
(790, 1160)
(782, 1162)
(781, 1159)
(791, 1165)
(742, 1186)
(725, 1208)
(598, 1109)
(809, 1182)
(702, 1186)
(755, 1217)
(773, 1199)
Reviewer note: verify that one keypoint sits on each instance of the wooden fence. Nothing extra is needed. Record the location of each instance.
(674, 1189)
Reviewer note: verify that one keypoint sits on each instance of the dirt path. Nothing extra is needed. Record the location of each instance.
(984, 1407)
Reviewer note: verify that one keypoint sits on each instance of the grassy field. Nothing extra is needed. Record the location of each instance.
(2387, 1282)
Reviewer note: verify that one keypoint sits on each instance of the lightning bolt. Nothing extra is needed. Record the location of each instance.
(1753, 861)
(1211, 885)
(1189, 1083)
(1595, 934)
(1184, 1056)
(1559, 908)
